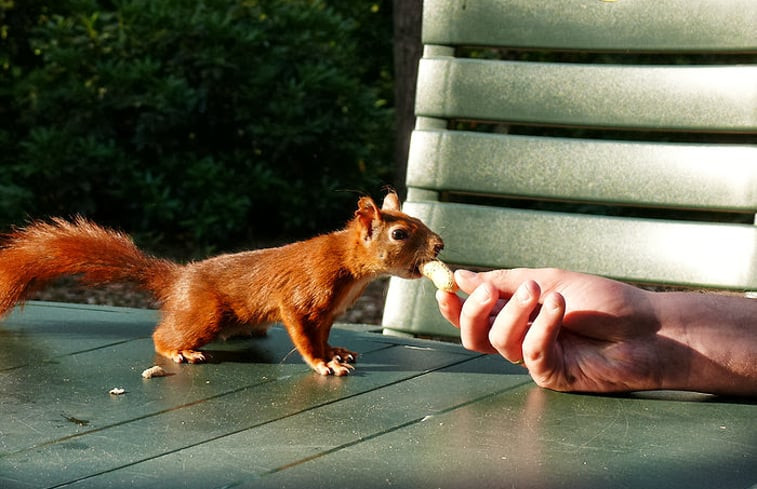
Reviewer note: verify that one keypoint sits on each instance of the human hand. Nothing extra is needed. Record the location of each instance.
(572, 331)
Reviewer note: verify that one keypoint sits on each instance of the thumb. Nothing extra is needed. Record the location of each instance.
(467, 280)
(507, 281)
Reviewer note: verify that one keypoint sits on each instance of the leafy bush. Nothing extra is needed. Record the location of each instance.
(206, 120)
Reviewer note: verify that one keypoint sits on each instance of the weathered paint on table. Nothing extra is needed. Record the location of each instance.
(414, 414)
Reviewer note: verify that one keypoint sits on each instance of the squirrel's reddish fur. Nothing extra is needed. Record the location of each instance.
(305, 285)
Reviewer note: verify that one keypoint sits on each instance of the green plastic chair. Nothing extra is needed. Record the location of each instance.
(610, 137)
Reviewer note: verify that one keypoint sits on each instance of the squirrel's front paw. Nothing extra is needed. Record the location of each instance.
(340, 368)
(182, 356)
(334, 367)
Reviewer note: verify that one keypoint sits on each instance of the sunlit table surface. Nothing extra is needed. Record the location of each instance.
(415, 414)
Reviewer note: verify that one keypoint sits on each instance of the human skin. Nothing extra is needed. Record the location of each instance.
(579, 332)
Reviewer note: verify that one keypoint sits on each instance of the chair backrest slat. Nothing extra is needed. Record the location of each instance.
(605, 96)
(573, 169)
(641, 26)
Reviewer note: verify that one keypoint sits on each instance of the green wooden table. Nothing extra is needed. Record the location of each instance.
(415, 414)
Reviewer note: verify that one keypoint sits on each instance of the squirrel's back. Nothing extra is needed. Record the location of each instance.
(31, 257)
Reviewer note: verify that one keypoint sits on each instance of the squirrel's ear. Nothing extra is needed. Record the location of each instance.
(391, 202)
(368, 215)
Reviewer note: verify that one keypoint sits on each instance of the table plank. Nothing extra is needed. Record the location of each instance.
(41, 331)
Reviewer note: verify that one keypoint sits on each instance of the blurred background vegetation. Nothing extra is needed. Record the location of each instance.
(202, 123)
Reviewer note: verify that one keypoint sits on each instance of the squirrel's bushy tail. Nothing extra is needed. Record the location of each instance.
(31, 257)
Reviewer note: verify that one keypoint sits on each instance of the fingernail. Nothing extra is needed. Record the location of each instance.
(464, 274)
(554, 302)
(481, 295)
(442, 298)
(523, 294)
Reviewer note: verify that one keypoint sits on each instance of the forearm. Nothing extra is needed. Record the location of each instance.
(719, 338)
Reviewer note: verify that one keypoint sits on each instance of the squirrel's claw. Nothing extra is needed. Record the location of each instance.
(334, 367)
(187, 356)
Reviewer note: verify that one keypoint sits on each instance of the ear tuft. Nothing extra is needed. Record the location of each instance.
(391, 202)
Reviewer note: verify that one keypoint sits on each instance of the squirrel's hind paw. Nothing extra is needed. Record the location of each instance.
(341, 355)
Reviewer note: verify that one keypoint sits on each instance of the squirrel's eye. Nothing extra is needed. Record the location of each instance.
(400, 234)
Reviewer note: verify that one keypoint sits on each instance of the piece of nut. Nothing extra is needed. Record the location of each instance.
(437, 272)
(156, 371)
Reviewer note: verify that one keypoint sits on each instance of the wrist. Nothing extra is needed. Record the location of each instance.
(711, 342)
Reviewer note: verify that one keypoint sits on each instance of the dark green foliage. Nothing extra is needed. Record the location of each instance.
(207, 121)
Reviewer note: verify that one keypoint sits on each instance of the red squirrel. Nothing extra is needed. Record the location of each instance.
(304, 285)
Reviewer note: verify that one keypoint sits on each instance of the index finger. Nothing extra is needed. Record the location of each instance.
(450, 306)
